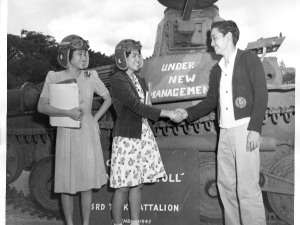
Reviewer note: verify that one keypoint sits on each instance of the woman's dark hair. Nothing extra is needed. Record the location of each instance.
(127, 53)
(228, 26)
(71, 54)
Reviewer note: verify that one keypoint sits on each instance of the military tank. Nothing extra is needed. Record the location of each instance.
(178, 75)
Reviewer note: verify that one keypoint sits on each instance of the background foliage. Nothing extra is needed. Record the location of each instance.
(31, 55)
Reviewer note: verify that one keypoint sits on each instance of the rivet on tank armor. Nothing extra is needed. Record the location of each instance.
(196, 127)
(287, 117)
(165, 131)
(275, 118)
(52, 137)
(44, 138)
(20, 138)
(186, 128)
(207, 125)
(35, 138)
(175, 130)
(28, 138)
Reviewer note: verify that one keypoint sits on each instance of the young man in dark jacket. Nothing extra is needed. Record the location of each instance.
(238, 88)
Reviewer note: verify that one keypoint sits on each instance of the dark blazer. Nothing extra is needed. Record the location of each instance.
(248, 84)
(128, 106)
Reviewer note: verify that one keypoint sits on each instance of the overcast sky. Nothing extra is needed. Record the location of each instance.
(105, 22)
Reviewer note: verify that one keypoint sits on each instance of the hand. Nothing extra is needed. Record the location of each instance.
(76, 113)
(252, 140)
(176, 117)
(183, 113)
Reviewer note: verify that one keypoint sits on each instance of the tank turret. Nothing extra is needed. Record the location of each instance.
(185, 27)
(182, 57)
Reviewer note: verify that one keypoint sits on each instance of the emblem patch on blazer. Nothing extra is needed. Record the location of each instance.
(240, 102)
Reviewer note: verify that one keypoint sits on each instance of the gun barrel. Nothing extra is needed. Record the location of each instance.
(181, 4)
(271, 44)
(188, 9)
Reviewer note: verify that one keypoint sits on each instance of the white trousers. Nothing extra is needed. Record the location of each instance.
(238, 177)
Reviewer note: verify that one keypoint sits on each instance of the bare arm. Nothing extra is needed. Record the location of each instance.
(104, 107)
(45, 108)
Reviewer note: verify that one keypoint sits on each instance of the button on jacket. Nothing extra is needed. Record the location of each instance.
(128, 106)
(249, 90)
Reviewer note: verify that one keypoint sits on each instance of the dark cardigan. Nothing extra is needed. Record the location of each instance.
(248, 82)
(128, 106)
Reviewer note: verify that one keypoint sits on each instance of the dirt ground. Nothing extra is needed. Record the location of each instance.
(17, 217)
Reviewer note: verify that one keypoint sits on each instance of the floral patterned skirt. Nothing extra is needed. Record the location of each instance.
(135, 161)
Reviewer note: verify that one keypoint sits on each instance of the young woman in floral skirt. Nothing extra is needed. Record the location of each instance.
(135, 156)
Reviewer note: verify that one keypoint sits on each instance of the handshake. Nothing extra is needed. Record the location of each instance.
(177, 115)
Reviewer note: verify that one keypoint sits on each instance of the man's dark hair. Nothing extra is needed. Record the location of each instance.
(228, 26)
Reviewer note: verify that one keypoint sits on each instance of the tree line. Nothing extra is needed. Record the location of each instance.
(31, 55)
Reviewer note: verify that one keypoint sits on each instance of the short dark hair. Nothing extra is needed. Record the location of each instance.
(127, 53)
(226, 26)
(71, 54)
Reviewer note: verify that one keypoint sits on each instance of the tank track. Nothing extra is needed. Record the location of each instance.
(36, 134)
(20, 201)
(161, 128)
(31, 134)
(207, 122)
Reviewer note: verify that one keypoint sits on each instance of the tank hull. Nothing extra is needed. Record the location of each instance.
(188, 151)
